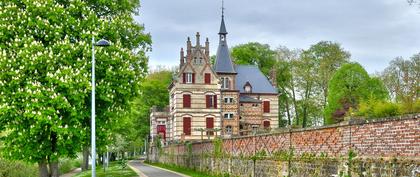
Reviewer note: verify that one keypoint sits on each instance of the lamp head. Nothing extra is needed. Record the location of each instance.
(102, 43)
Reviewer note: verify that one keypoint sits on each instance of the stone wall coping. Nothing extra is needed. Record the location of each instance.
(356, 121)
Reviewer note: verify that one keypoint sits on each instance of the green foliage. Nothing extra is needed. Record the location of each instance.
(350, 86)
(254, 53)
(65, 165)
(154, 92)
(45, 73)
(17, 169)
(114, 170)
(184, 170)
(378, 109)
(217, 147)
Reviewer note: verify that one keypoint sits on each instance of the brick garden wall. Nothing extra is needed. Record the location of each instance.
(387, 146)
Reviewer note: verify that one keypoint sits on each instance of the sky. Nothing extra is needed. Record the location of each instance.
(373, 31)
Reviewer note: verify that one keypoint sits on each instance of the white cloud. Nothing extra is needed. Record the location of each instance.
(374, 32)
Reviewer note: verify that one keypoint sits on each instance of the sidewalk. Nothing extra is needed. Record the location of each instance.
(151, 171)
(72, 173)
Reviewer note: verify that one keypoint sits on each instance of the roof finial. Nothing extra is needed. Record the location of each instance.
(223, 8)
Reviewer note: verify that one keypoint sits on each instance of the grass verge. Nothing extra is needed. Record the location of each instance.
(184, 170)
(115, 169)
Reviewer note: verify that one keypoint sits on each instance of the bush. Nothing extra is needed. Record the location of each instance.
(378, 109)
(17, 169)
(65, 165)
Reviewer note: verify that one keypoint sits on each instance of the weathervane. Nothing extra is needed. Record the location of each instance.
(223, 8)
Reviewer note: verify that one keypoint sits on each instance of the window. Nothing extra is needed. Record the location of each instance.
(188, 78)
(228, 116)
(186, 101)
(248, 89)
(266, 124)
(187, 125)
(225, 82)
(207, 78)
(209, 125)
(229, 130)
(211, 101)
(266, 106)
(228, 100)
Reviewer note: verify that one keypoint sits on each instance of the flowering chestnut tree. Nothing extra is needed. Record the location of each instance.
(45, 60)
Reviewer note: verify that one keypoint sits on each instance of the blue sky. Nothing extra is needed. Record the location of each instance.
(374, 31)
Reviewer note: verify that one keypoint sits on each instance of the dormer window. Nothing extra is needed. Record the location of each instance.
(247, 87)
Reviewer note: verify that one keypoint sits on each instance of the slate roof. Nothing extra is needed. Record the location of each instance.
(223, 62)
(253, 75)
(223, 27)
(248, 99)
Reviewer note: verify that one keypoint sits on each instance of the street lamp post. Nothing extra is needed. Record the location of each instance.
(100, 43)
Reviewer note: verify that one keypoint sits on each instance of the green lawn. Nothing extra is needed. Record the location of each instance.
(185, 171)
(114, 170)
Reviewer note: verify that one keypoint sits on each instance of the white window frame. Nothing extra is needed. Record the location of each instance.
(225, 82)
(188, 78)
(228, 100)
(230, 115)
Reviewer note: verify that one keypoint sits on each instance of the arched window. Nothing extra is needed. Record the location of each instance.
(228, 130)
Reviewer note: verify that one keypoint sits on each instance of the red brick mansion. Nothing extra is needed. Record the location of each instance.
(222, 99)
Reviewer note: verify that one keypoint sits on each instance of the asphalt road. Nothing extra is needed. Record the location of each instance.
(152, 171)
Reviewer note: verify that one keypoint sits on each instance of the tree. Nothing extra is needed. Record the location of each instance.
(402, 79)
(154, 92)
(45, 75)
(329, 56)
(286, 82)
(254, 53)
(349, 86)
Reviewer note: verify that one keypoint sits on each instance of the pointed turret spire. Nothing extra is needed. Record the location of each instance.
(223, 62)
(222, 30)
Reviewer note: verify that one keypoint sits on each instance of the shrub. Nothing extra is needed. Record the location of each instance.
(378, 109)
(65, 165)
(17, 169)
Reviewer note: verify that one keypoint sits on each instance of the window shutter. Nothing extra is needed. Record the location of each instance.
(266, 106)
(187, 125)
(209, 124)
(208, 97)
(215, 101)
(184, 78)
(193, 78)
(207, 78)
(186, 101)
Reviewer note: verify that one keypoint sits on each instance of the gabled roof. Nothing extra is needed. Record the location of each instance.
(253, 75)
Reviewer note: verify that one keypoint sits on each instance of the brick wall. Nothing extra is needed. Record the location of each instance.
(393, 137)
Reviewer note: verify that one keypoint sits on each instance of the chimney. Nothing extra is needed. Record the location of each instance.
(207, 48)
(181, 57)
(198, 39)
(188, 49)
(273, 76)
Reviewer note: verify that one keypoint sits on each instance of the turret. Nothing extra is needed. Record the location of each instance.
(197, 39)
(188, 49)
(181, 58)
(207, 48)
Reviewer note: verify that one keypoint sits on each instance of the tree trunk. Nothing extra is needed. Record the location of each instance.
(85, 159)
(43, 170)
(54, 169)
